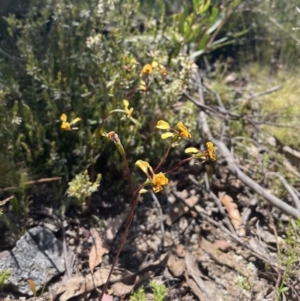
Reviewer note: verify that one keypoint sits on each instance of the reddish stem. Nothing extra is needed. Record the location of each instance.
(128, 223)
(163, 159)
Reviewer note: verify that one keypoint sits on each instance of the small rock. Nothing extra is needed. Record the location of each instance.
(192, 201)
(183, 224)
(37, 256)
(71, 233)
(177, 268)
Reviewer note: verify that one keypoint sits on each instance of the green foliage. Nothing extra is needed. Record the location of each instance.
(288, 257)
(272, 39)
(10, 173)
(4, 219)
(139, 295)
(3, 276)
(199, 25)
(82, 59)
(77, 59)
(81, 188)
(159, 292)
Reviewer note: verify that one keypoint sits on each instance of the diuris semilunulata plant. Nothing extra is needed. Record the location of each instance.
(155, 178)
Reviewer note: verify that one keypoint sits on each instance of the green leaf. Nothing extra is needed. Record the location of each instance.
(204, 8)
(203, 42)
(214, 14)
(197, 54)
(215, 25)
(15, 205)
(284, 289)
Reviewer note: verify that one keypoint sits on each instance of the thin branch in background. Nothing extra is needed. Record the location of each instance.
(219, 203)
(236, 238)
(275, 201)
(39, 181)
(234, 169)
(259, 94)
(289, 188)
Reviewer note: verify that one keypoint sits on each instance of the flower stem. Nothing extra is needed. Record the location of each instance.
(134, 203)
(163, 159)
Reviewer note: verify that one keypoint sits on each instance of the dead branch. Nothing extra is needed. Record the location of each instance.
(289, 188)
(234, 169)
(39, 181)
(226, 154)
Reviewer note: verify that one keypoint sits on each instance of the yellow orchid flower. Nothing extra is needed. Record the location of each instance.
(210, 153)
(65, 125)
(162, 70)
(127, 110)
(196, 152)
(147, 69)
(183, 132)
(157, 180)
(167, 135)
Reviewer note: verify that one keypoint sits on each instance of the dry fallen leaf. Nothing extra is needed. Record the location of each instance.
(221, 244)
(32, 286)
(2, 203)
(97, 250)
(121, 289)
(127, 283)
(80, 284)
(227, 259)
(177, 267)
(233, 213)
(205, 290)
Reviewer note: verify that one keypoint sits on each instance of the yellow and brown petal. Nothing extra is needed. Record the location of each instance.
(157, 180)
(65, 125)
(127, 110)
(211, 151)
(183, 132)
(147, 69)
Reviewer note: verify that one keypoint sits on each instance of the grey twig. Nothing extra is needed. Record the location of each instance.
(289, 188)
(235, 237)
(232, 166)
(224, 151)
(219, 203)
